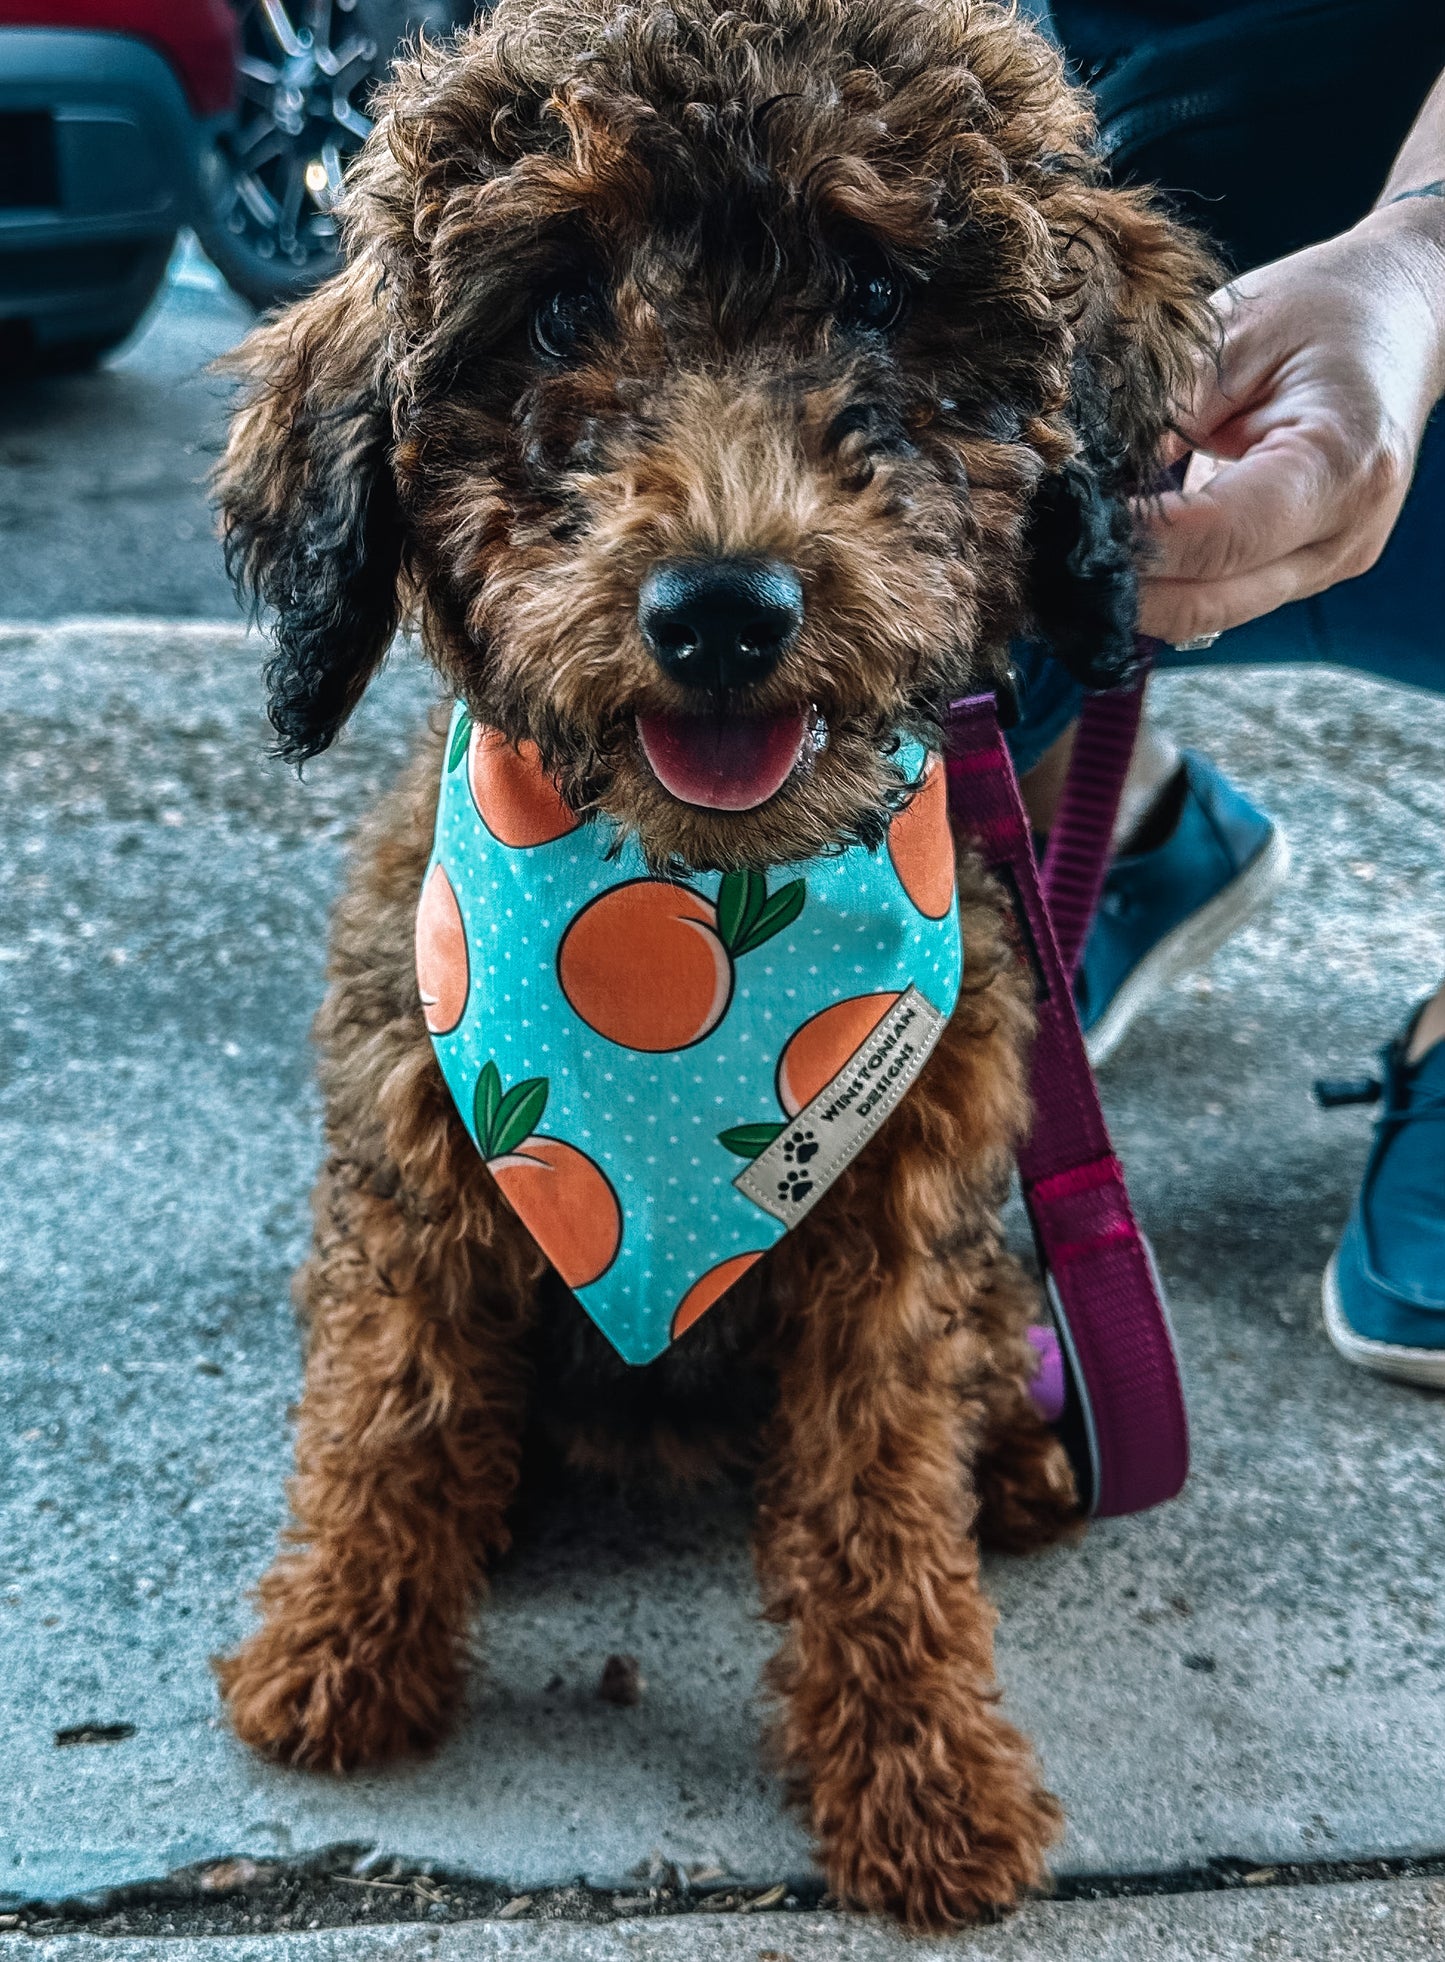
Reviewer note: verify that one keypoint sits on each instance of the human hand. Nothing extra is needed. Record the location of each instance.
(1306, 433)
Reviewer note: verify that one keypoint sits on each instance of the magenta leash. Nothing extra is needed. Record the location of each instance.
(1081, 840)
(1114, 1378)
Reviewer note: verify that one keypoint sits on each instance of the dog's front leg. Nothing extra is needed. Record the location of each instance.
(407, 1448)
(925, 1802)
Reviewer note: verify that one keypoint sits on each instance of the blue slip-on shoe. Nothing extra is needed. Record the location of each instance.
(1162, 913)
(1384, 1289)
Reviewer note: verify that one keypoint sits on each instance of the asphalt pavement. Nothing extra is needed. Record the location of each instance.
(102, 501)
(1247, 1686)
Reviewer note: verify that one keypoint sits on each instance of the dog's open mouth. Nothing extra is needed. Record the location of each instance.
(725, 762)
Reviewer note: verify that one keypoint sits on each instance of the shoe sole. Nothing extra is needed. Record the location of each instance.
(1191, 944)
(1424, 1367)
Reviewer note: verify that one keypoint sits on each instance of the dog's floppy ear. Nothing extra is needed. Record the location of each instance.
(1143, 321)
(1083, 588)
(308, 504)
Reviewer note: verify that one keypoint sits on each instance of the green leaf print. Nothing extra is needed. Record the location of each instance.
(749, 1140)
(779, 912)
(461, 736)
(518, 1115)
(739, 901)
(484, 1107)
(746, 916)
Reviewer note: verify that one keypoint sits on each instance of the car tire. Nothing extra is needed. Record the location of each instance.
(303, 96)
(263, 282)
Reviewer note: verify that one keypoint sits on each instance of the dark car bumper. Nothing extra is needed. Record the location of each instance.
(98, 168)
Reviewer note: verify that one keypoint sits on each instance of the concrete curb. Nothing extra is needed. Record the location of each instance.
(127, 628)
(1400, 1921)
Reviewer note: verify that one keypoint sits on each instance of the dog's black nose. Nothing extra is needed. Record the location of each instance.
(720, 624)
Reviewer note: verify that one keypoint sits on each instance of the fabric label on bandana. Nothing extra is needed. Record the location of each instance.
(616, 1042)
(791, 1175)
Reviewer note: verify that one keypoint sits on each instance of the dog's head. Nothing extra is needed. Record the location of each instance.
(721, 383)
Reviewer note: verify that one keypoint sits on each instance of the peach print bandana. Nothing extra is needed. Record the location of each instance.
(665, 1074)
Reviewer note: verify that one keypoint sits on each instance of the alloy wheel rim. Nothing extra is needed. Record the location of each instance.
(301, 71)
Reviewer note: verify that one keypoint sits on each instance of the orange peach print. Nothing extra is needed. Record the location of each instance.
(920, 844)
(564, 1200)
(442, 967)
(710, 1287)
(818, 1050)
(515, 798)
(566, 1204)
(649, 963)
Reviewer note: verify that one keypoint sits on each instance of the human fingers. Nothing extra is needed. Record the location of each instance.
(1177, 610)
(1248, 514)
(1301, 484)
(1203, 469)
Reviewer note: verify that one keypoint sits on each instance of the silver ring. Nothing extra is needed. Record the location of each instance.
(1198, 644)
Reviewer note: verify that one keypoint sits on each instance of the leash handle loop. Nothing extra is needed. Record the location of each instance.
(1124, 1419)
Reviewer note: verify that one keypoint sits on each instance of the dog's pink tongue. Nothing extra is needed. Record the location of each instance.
(724, 763)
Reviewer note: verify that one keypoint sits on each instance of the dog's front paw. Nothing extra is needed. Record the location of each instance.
(939, 1855)
(325, 1697)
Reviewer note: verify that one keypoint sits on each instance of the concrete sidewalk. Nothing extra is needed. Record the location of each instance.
(1255, 1671)
(1404, 1922)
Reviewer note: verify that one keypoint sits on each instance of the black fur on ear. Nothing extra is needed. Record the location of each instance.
(1082, 581)
(1082, 585)
(1143, 323)
(309, 512)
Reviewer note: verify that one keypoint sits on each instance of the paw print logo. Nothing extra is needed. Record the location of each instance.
(801, 1148)
(794, 1187)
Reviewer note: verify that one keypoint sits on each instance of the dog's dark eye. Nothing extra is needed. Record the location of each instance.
(875, 298)
(567, 318)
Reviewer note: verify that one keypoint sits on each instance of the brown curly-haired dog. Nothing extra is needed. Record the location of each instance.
(832, 286)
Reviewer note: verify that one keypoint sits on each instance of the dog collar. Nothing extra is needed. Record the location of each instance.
(665, 1074)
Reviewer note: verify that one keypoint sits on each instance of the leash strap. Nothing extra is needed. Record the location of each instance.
(1124, 1420)
(1078, 851)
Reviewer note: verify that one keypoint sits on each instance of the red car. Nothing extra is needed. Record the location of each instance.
(106, 108)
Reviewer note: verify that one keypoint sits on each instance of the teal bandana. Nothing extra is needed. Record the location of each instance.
(664, 1075)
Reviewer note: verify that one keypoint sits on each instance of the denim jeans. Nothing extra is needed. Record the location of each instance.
(1390, 622)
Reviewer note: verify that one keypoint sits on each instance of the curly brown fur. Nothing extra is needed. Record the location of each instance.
(710, 201)
(719, 184)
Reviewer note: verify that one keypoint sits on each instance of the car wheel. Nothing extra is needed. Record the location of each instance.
(270, 182)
